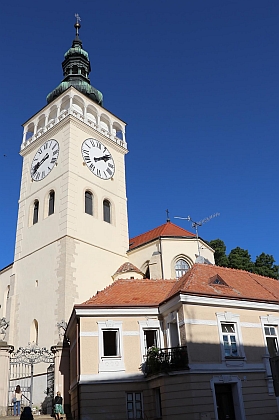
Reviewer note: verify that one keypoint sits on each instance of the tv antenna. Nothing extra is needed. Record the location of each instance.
(196, 225)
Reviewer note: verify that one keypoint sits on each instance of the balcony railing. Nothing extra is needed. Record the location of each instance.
(166, 360)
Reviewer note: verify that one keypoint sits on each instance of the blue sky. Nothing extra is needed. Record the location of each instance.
(197, 83)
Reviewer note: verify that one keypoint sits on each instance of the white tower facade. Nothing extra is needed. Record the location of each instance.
(72, 231)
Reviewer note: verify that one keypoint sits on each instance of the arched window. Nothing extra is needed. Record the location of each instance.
(106, 211)
(88, 201)
(34, 332)
(36, 212)
(181, 267)
(51, 198)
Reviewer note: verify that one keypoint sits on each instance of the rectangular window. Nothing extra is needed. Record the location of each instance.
(158, 404)
(110, 342)
(229, 339)
(134, 405)
(271, 340)
(150, 339)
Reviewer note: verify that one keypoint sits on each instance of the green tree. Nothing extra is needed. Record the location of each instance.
(220, 256)
(241, 259)
(265, 266)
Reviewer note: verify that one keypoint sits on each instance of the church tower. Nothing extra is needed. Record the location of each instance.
(72, 230)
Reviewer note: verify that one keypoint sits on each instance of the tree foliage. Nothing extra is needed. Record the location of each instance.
(241, 259)
(265, 266)
(220, 256)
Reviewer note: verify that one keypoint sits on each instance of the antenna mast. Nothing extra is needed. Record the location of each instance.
(196, 225)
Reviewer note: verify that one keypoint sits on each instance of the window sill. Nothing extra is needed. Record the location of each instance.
(234, 358)
(111, 357)
(111, 364)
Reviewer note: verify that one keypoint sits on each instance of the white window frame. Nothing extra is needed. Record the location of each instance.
(158, 403)
(150, 324)
(230, 318)
(269, 321)
(134, 404)
(172, 318)
(111, 363)
(175, 261)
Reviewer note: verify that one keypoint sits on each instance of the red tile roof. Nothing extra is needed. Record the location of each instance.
(127, 267)
(197, 281)
(132, 292)
(167, 229)
(239, 284)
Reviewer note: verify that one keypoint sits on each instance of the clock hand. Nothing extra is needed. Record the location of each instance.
(105, 158)
(36, 167)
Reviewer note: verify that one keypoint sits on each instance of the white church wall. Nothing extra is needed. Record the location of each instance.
(5, 274)
(169, 249)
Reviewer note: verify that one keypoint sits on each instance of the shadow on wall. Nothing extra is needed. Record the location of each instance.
(216, 381)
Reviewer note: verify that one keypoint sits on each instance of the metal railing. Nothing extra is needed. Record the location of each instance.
(165, 360)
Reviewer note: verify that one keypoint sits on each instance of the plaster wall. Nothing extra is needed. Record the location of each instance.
(202, 336)
(5, 275)
(171, 249)
(89, 343)
(187, 394)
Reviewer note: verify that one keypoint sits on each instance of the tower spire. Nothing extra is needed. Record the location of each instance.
(76, 68)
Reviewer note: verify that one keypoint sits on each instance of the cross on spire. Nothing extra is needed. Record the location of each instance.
(77, 17)
(77, 24)
(168, 214)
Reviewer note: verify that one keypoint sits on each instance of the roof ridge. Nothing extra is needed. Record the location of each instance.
(243, 271)
(150, 230)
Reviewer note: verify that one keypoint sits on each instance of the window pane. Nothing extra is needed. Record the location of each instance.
(106, 210)
(36, 212)
(51, 203)
(266, 330)
(110, 343)
(228, 328)
(272, 331)
(272, 346)
(181, 267)
(88, 203)
(150, 338)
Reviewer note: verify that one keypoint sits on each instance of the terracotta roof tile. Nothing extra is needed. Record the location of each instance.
(238, 284)
(126, 267)
(167, 229)
(197, 281)
(132, 292)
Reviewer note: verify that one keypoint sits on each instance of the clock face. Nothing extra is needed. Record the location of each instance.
(44, 160)
(98, 159)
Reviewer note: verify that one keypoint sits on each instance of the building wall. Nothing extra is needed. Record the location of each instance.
(171, 249)
(5, 281)
(182, 394)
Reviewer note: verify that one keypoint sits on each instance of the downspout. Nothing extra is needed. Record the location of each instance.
(78, 368)
(161, 256)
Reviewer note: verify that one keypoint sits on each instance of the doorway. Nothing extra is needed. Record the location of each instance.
(225, 402)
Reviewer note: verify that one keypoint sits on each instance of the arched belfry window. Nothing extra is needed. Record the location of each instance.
(181, 267)
(51, 199)
(36, 212)
(88, 201)
(107, 211)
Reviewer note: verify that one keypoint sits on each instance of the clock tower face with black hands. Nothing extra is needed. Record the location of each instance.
(44, 160)
(98, 158)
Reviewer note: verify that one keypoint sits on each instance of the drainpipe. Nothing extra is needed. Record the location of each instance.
(78, 368)
(161, 256)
